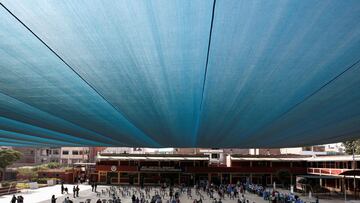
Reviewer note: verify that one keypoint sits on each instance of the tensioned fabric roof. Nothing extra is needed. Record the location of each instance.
(205, 73)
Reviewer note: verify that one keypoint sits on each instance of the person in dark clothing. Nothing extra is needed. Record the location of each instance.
(95, 186)
(74, 192)
(53, 199)
(20, 199)
(133, 198)
(92, 187)
(99, 201)
(77, 191)
(171, 193)
(13, 199)
(62, 188)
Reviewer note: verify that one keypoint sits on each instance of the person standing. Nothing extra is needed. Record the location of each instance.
(53, 199)
(77, 191)
(20, 199)
(133, 198)
(62, 188)
(74, 191)
(13, 199)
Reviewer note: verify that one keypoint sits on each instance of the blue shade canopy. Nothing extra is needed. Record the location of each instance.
(200, 73)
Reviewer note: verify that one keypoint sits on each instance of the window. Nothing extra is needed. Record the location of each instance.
(215, 156)
(307, 148)
(56, 152)
(75, 152)
(65, 152)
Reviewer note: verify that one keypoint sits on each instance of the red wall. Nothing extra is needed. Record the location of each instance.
(65, 176)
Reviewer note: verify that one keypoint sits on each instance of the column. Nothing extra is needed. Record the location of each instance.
(119, 177)
(138, 182)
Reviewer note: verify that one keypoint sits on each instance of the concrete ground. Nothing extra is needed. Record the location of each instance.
(43, 195)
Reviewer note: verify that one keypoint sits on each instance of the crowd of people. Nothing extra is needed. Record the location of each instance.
(273, 195)
(203, 191)
(238, 191)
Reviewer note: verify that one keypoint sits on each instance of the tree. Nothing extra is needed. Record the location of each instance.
(8, 157)
(353, 145)
(25, 173)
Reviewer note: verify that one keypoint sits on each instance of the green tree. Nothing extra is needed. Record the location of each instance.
(25, 173)
(8, 157)
(353, 145)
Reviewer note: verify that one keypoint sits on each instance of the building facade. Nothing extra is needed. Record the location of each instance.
(47, 155)
(329, 172)
(148, 169)
(72, 155)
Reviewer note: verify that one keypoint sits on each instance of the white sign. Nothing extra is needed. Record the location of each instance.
(33, 185)
(51, 182)
(298, 185)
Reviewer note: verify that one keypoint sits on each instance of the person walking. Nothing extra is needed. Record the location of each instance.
(53, 199)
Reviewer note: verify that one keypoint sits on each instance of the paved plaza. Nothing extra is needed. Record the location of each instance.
(43, 195)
